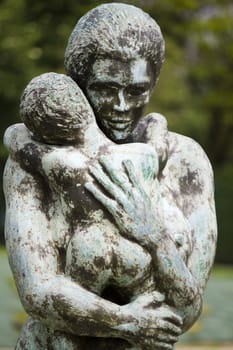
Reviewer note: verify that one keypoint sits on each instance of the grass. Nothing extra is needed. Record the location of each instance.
(222, 271)
(205, 347)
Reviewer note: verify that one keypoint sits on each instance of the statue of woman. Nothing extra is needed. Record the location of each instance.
(114, 54)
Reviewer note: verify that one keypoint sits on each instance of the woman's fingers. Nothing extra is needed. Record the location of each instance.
(131, 172)
(158, 297)
(168, 338)
(163, 327)
(110, 205)
(126, 200)
(149, 300)
(107, 202)
(151, 344)
(162, 346)
(174, 318)
(113, 190)
(169, 327)
(117, 176)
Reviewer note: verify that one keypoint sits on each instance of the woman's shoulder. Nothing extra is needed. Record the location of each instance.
(188, 167)
(187, 151)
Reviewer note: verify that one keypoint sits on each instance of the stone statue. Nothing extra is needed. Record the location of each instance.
(110, 220)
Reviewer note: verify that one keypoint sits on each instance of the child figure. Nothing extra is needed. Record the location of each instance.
(63, 145)
(57, 113)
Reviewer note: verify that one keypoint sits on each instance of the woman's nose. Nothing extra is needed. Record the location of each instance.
(121, 105)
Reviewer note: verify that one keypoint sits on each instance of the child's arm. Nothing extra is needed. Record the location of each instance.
(22, 148)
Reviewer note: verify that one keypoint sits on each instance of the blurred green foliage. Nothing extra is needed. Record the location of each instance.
(195, 90)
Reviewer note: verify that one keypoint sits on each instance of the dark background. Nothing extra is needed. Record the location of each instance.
(195, 90)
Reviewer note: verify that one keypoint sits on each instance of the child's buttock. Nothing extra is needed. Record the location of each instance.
(104, 262)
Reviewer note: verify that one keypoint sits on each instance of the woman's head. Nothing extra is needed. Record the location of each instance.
(115, 54)
(117, 31)
(54, 109)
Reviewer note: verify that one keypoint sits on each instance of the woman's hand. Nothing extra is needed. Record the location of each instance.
(155, 326)
(126, 200)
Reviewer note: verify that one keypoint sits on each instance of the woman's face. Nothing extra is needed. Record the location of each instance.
(118, 92)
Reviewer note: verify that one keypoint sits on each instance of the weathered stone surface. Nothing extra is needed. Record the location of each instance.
(110, 223)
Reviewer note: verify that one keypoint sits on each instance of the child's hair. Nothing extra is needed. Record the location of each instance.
(55, 109)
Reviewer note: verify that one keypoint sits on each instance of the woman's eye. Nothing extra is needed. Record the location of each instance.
(136, 91)
(102, 87)
(96, 87)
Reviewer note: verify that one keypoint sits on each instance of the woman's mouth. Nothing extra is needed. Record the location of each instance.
(117, 123)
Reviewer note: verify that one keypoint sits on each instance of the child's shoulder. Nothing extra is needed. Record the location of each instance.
(16, 135)
(64, 157)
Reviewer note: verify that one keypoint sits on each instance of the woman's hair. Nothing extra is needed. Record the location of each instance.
(54, 108)
(113, 31)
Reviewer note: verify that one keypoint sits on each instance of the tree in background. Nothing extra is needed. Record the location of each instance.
(195, 90)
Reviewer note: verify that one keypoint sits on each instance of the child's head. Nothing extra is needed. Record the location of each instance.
(54, 109)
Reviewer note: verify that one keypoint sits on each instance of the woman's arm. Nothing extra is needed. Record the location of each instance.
(137, 218)
(191, 186)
